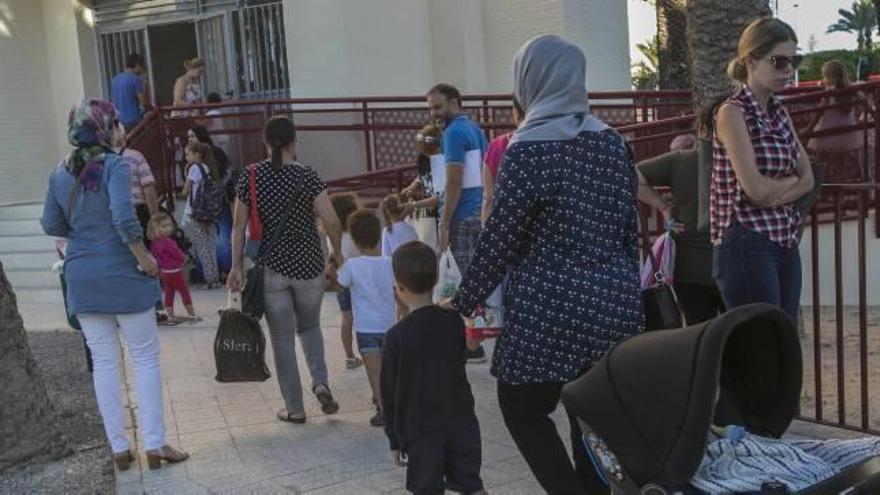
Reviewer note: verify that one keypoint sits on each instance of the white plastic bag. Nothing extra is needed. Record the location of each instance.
(425, 226)
(449, 277)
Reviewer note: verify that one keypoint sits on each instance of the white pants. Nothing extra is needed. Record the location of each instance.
(142, 340)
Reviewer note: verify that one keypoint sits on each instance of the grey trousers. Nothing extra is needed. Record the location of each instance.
(295, 306)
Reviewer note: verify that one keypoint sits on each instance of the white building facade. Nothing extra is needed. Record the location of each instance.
(54, 52)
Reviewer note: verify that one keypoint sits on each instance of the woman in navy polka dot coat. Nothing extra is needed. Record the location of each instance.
(563, 228)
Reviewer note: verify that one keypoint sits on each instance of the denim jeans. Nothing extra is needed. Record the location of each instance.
(293, 307)
(748, 268)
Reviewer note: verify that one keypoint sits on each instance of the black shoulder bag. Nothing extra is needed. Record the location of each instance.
(253, 299)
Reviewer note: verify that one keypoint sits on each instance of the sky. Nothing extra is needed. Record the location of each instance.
(809, 17)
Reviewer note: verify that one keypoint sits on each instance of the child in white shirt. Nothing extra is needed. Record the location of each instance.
(345, 204)
(371, 281)
(396, 232)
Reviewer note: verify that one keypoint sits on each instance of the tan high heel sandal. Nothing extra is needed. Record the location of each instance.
(167, 453)
(123, 460)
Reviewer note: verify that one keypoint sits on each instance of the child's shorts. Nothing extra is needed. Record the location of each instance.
(369, 342)
(446, 459)
(343, 297)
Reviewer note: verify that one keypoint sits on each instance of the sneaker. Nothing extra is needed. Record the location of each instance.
(353, 363)
(328, 404)
(377, 420)
(478, 355)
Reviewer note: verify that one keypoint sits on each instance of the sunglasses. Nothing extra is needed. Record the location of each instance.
(781, 62)
(426, 139)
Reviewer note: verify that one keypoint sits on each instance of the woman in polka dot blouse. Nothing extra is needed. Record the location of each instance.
(563, 227)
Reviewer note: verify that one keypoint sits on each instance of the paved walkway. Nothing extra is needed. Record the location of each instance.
(238, 446)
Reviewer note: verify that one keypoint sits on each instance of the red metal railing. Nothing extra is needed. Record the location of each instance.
(840, 259)
(378, 130)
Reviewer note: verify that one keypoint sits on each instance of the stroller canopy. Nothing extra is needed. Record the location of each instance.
(653, 398)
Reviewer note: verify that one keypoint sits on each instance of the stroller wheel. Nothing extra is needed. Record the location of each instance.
(653, 489)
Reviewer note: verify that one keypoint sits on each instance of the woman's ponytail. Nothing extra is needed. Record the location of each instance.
(278, 133)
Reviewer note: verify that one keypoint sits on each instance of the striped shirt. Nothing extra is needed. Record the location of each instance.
(141, 175)
(776, 156)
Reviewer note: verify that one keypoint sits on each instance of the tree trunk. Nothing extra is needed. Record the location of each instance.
(27, 418)
(713, 28)
(673, 54)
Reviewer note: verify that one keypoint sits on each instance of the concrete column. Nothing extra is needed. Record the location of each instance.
(600, 28)
(457, 48)
(344, 48)
(28, 134)
(69, 28)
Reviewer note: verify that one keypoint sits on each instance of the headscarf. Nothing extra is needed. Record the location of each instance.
(549, 81)
(90, 131)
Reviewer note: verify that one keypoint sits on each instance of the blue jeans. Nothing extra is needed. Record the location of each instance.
(748, 267)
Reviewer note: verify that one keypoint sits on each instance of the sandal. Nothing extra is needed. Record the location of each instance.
(123, 460)
(289, 417)
(168, 454)
(170, 322)
(328, 404)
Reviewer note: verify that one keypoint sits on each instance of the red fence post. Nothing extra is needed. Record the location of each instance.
(817, 320)
(838, 306)
(863, 310)
(368, 147)
(876, 159)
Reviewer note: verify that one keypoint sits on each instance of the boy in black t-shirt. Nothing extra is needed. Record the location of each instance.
(426, 398)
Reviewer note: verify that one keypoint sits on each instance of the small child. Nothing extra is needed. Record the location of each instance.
(426, 398)
(345, 204)
(170, 258)
(396, 232)
(372, 296)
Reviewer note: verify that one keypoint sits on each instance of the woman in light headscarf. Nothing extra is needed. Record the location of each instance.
(563, 227)
(110, 275)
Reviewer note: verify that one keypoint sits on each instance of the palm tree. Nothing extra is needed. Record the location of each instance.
(645, 73)
(713, 28)
(27, 418)
(674, 63)
(861, 20)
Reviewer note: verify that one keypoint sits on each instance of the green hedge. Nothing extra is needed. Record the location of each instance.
(811, 69)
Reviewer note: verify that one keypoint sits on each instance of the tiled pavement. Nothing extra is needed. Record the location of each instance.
(238, 446)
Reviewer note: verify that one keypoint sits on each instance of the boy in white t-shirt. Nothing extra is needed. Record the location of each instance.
(345, 204)
(371, 281)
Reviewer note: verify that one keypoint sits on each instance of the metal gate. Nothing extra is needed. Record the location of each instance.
(242, 43)
(114, 47)
(213, 49)
(264, 72)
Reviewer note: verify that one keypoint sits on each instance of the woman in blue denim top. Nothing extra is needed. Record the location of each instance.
(110, 275)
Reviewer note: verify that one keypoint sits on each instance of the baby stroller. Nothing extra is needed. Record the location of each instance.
(647, 407)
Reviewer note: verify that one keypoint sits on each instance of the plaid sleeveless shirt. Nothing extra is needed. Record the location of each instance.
(776, 155)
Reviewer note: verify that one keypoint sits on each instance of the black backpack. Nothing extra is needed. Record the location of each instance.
(207, 203)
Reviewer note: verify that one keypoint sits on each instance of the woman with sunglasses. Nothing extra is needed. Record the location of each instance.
(760, 169)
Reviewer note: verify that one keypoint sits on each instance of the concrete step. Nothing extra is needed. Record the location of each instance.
(14, 228)
(31, 211)
(26, 243)
(39, 296)
(38, 260)
(33, 279)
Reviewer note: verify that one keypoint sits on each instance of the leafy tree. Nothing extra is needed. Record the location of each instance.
(861, 20)
(645, 73)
